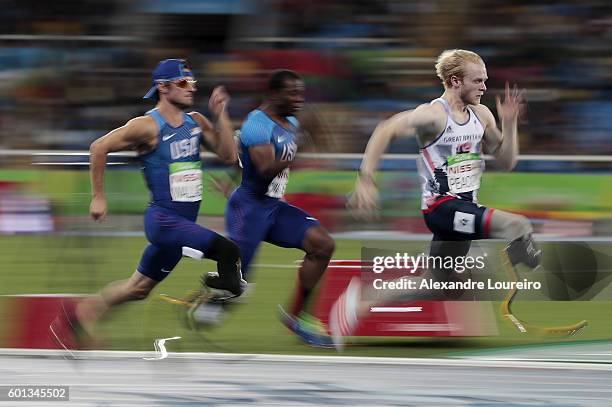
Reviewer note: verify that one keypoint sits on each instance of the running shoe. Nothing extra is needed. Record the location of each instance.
(66, 331)
(343, 315)
(308, 328)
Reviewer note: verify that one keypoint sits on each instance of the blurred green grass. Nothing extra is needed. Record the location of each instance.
(82, 264)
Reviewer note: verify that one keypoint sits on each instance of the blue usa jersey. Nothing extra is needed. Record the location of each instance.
(173, 170)
(260, 129)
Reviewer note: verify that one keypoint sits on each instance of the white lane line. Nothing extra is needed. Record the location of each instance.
(254, 358)
(396, 309)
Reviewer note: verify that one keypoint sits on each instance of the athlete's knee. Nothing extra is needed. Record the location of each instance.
(327, 246)
(320, 244)
(523, 226)
(517, 226)
(137, 292)
(223, 249)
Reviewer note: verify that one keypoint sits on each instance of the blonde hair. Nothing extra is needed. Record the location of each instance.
(452, 62)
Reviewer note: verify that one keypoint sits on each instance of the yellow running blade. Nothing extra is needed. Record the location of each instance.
(174, 300)
(524, 327)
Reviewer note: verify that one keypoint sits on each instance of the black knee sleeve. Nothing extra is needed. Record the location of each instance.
(524, 250)
(223, 249)
(228, 276)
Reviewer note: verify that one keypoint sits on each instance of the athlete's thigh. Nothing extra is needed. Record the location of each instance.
(247, 223)
(170, 231)
(157, 262)
(246, 219)
(290, 226)
(456, 219)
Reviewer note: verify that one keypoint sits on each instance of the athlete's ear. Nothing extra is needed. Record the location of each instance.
(162, 87)
(455, 80)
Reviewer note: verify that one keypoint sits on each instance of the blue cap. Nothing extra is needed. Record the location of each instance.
(168, 70)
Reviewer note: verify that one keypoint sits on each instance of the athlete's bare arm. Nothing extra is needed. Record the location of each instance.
(220, 136)
(265, 162)
(503, 145)
(139, 134)
(423, 122)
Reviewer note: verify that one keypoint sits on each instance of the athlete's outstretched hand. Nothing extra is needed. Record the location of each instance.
(223, 185)
(98, 209)
(511, 107)
(363, 202)
(219, 98)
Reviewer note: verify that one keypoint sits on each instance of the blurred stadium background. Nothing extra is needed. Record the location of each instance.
(73, 70)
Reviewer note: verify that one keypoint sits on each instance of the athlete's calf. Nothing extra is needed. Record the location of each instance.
(319, 247)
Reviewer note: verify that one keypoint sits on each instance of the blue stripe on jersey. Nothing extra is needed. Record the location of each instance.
(158, 117)
(174, 144)
(259, 129)
(293, 121)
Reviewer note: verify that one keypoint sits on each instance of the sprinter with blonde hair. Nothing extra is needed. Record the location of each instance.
(453, 132)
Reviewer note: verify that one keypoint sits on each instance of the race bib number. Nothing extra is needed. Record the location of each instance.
(277, 187)
(463, 172)
(186, 181)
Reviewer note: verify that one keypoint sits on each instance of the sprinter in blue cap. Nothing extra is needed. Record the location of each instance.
(168, 141)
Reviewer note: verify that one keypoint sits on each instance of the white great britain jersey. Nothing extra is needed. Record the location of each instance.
(451, 165)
